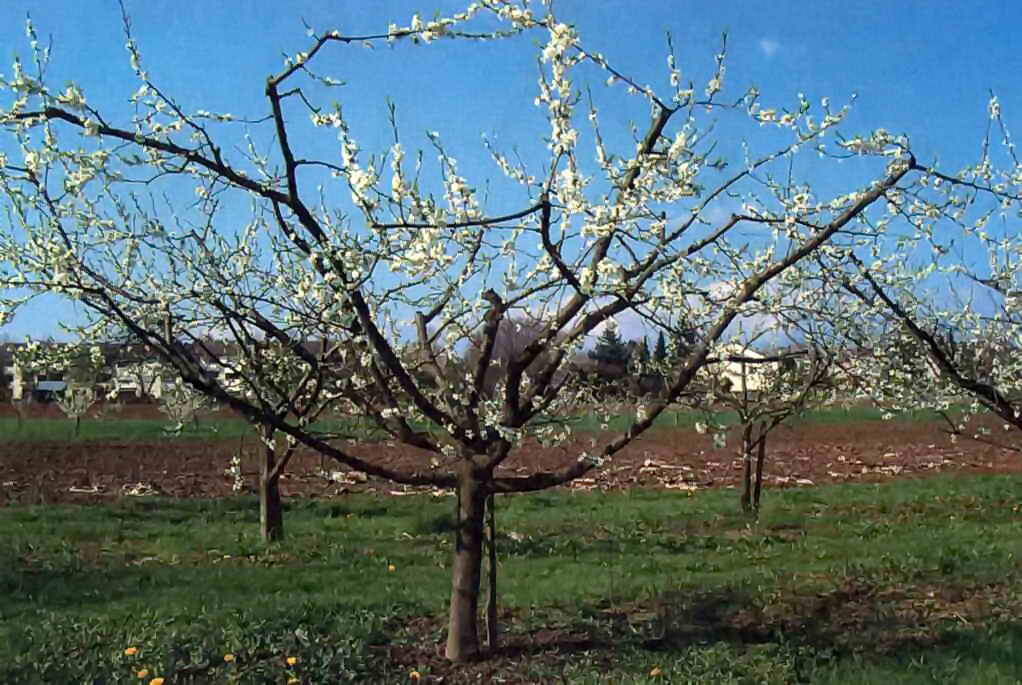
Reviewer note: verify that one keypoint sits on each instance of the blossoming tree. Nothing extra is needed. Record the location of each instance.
(80, 368)
(926, 306)
(784, 385)
(132, 214)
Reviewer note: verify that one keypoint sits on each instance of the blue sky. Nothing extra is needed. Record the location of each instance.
(921, 68)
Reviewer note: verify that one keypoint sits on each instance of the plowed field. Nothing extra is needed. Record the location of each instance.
(807, 454)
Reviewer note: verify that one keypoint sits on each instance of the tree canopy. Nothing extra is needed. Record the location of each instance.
(395, 261)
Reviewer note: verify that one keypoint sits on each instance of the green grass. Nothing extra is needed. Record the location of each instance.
(858, 414)
(909, 581)
(116, 428)
(232, 428)
(672, 418)
(217, 427)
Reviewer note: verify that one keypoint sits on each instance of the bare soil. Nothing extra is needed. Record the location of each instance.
(803, 455)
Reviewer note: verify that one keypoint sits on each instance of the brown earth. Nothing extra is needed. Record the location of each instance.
(677, 459)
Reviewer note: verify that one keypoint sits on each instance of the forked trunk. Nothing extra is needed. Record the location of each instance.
(462, 629)
(747, 461)
(271, 511)
(492, 627)
(760, 458)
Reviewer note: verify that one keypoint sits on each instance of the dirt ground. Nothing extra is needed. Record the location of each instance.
(676, 459)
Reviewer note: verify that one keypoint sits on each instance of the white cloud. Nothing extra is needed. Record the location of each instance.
(769, 47)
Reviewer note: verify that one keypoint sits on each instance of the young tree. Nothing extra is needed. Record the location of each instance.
(771, 389)
(607, 221)
(514, 334)
(272, 378)
(81, 377)
(181, 404)
(74, 401)
(79, 366)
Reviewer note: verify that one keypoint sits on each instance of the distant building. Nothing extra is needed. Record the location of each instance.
(739, 370)
(126, 370)
(47, 391)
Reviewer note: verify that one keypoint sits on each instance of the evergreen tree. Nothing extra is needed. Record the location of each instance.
(643, 352)
(660, 350)
(610, 348)
(683, 339)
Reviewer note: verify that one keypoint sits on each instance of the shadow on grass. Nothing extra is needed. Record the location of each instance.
(812, 636)
(29, 590)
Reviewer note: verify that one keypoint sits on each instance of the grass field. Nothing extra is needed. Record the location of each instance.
(45, 429)
(913, 581)
(220, 426)
(687, 418)
(227, 427)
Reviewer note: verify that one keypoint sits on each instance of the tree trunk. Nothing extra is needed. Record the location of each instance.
(462, 629)
(271, 511)
(760, 457)
(747, 475)
(492, 628)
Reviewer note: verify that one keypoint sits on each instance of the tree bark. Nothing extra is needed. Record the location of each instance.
(760, 458)
(462, 630)
(747, 475)
(271, 511)
(492, 628)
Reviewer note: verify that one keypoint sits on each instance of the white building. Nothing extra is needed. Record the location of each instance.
(140, 378)
(737, 370)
